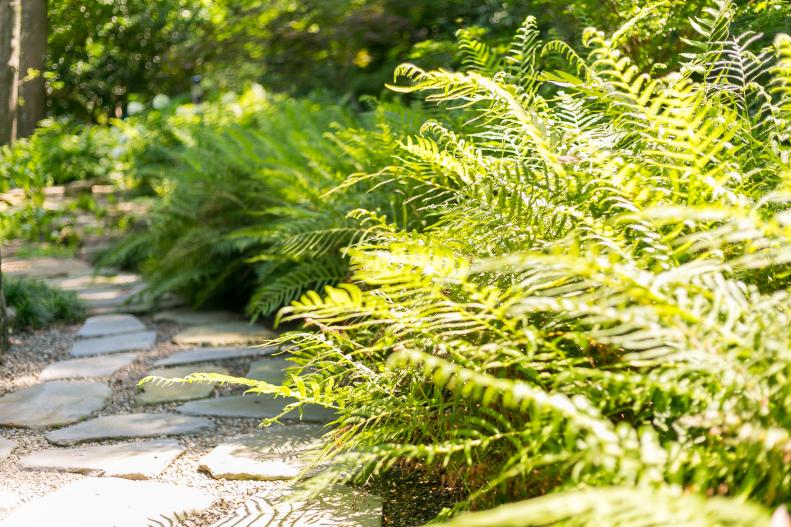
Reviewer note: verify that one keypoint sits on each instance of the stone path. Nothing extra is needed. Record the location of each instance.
(52, 403)
(233, 333)
(338, 506)
(159, 392)
(90, 367)
(128, 426)
(255, 406)
(106, 502)
(141, 341)
(80, 419)
(275, 452)
(142, 460)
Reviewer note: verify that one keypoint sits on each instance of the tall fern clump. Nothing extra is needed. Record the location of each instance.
(597, 319)
(243, 216)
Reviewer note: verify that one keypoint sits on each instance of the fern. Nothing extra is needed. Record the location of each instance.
(604, 285)
(587, 311)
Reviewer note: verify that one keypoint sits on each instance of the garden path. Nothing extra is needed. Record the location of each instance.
(83, 445)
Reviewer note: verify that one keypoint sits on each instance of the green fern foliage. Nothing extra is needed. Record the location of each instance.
(245, 216)
(579, 302)
(597, 312)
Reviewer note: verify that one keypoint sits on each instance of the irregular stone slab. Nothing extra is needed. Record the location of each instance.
(187, 317)
(6, 447)
(258, 406)
(105, 325)
(45, 267)
(142, 460)
(272, 453)
(335, 506)
(52, 403)
(269, 370)
(237, 333)
(214, 354)
(109, 297)
(100, 366)
(142, 341)
(153, 393)
(127, 426)
(106, 502)
(75, 283)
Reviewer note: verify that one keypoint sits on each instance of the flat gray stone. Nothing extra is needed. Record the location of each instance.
(99, 366)
(128, 426)
(234, 333)
(45, 267)
(105, 325)
(214, 354)
(188, 317)
(6, 447)
(152, 393)
(142, 341)
(141, 460)
(76, 283)
(111, 502)
(272, 453)
(257, 406)
(52, 403)
(338, 505)
(109, 298)
(270, 369)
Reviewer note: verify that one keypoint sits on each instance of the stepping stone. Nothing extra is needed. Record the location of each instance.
(111, 502)
(52, 403)
(128, 426)
(188, 317)
(100, 366)
(105, 325)
(335, 506)
(46, 267)
(142, 460)
(214, 354)
(237, 333)
(269, 370)
(6, 447)
(142, 341)
(257, 406)
(109, 297)
(153, 393)
(272, 453)
(76, 283)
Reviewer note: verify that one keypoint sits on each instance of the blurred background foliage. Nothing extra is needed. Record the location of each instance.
(104, 54)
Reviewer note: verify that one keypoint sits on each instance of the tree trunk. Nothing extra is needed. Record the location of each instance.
(33, 55)
(4, 343)
(10, 28)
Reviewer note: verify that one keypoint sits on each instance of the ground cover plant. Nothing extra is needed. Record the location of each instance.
(38, 305)
(595, 324)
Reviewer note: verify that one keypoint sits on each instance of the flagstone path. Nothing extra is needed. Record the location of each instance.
(76, 430)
